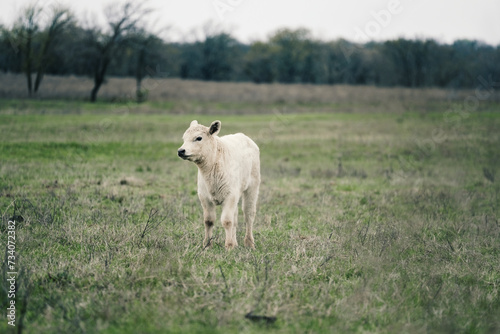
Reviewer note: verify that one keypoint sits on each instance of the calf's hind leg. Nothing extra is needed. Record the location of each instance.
(249, 211)
(235, 226)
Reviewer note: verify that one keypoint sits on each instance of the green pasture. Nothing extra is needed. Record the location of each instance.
(383, 222)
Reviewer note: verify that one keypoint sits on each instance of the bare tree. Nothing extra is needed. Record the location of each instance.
(122, 20)
(23, 34)
(59, 20)
(148, 50)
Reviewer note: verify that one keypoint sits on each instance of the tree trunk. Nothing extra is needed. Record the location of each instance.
(28, 64)
(38, 79)
(41, 63)
(93, 93)
(99, 79)
(28, 77)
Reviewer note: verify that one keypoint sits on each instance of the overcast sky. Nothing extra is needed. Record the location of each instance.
(355, 20)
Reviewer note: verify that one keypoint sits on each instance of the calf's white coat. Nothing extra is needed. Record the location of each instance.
(228, 169)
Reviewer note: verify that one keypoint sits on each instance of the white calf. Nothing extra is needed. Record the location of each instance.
(228, 168)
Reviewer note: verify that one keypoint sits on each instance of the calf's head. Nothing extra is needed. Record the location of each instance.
(198, 141)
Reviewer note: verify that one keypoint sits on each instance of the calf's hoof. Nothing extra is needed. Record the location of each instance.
(231, 245)
(249, 243)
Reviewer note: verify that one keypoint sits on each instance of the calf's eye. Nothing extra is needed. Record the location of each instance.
(199, 139)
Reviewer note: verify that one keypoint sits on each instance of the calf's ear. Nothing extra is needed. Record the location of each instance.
(195, 122)
(214, 128)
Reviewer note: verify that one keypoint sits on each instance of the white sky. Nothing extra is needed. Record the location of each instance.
(249, 20)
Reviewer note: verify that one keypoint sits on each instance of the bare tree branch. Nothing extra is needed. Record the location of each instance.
(25, 28)
(122, 21)
(60, 19)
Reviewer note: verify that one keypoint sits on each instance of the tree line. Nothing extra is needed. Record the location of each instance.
(51, 41)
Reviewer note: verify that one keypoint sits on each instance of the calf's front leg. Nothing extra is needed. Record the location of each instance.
(208, 219)
(229, 221)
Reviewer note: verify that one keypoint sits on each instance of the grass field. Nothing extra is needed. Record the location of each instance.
(383, 221)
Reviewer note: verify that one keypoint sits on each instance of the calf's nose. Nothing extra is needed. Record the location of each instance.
(181, 152)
